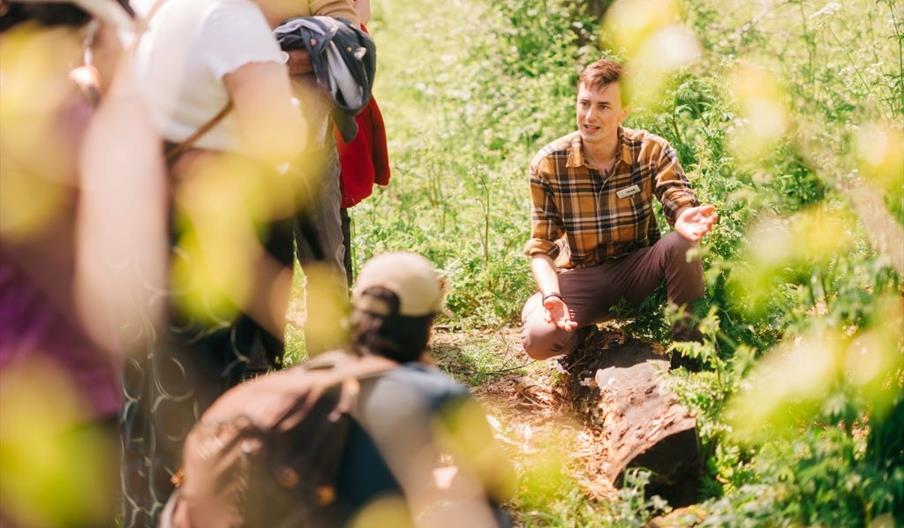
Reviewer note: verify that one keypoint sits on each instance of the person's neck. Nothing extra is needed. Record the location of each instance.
(601, 154)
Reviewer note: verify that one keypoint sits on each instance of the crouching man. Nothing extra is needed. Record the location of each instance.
(367, 436)
(594, 237)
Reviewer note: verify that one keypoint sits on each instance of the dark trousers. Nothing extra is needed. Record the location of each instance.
(347, 242)
(591, 292)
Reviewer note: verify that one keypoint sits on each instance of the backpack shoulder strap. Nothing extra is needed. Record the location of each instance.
(175, 150)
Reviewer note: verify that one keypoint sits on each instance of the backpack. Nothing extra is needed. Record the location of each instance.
(266, 454)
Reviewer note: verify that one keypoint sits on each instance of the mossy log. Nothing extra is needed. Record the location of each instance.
(620, 386)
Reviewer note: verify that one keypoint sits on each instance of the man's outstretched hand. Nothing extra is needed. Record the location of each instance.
(694, 223)
(558, 314)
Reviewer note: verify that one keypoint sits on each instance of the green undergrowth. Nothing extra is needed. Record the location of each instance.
(471, 89)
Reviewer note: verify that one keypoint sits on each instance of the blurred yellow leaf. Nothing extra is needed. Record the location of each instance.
(761, 110)
(781, 250)
(787, 385)
(630, 23)
(58, 469)
(385, 512)
(649, 69)
(873, 357)
(880, 155)
(36, 153)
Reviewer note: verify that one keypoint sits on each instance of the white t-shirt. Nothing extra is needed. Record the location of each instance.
(181, 60)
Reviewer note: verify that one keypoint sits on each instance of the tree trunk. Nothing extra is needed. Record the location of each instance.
(619, 385)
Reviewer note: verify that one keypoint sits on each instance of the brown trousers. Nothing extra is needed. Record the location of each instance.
(591, 292)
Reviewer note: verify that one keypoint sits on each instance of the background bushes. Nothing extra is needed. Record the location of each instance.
(472, 89)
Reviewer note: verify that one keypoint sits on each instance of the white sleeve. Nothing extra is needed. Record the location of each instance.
(235, 33)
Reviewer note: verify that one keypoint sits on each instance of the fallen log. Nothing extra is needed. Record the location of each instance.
(619, 386)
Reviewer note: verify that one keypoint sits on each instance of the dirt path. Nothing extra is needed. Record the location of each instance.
(526, 405)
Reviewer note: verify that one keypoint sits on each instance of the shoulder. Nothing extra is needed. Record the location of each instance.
(235, 33)
(413, 388)
(646, 145)
(240, 17)
(556, 152)
(224, 7)
(427, 382)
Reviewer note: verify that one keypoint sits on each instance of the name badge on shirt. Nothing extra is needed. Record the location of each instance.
(628, 191)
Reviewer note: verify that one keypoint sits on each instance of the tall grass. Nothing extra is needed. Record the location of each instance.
(789, 122)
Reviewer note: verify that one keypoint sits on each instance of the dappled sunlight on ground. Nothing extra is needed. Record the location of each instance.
(528, 407)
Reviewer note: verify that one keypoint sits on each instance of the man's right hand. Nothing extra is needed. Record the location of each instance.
(557, 313)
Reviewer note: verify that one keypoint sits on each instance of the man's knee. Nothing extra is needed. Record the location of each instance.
(538, 346)
(544, 340)
(684, 278)
(536, 333)
(677, 246)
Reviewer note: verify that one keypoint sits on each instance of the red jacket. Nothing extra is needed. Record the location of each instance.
(365, 160)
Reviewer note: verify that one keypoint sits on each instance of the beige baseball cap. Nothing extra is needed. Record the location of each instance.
(410, 276)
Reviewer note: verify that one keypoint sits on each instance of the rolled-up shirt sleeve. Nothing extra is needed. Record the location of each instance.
(545, 220)
(671, 186)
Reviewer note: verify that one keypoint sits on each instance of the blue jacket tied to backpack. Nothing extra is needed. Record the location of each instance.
(344, 61)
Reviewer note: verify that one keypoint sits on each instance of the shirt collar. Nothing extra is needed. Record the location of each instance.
(576, 156)
(627, 153)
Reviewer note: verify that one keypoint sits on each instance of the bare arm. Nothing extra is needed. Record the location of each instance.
(557, 312)
(121, 237)
(544, 270)
(271, 126)
(546, 226)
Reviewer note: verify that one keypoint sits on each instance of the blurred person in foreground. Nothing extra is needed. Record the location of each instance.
(594, 236)
(218, 89)
(81, 239)
(419, 451)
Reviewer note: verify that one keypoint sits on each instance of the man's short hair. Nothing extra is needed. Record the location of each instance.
(600, 73)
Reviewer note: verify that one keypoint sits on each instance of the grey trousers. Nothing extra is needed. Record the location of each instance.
(326, 219)
(327, 288)
(591, 292)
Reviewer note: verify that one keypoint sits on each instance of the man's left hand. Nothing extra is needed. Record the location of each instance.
(694, 223)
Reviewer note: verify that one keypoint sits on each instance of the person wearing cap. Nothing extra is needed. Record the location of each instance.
(594, 238)
(394, 441)
(393, 449)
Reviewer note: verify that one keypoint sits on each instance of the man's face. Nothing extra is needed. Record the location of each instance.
(599, 112)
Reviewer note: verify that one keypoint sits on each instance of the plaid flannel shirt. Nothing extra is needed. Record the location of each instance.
(581, 217)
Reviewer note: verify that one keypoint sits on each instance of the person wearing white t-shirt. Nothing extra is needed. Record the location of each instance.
(195, 58)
